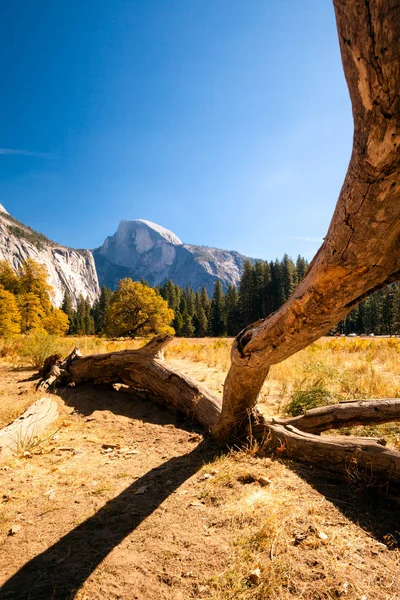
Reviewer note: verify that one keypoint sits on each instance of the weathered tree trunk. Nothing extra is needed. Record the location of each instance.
(361, 251)
(360, 254)
(26, 432)
(146, 370)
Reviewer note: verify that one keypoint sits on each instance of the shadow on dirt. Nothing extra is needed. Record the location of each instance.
(60, 571)
(373, 508)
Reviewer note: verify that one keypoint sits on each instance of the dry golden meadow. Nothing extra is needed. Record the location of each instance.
(121, 499)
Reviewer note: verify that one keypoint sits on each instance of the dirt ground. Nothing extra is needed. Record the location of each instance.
(125, 500)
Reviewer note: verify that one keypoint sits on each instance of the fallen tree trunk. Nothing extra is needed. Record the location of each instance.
(25, 432)
(360, 254)
(361, 251)
(146, 370)
(346, 414)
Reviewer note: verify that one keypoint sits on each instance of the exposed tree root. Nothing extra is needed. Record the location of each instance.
(146, 370)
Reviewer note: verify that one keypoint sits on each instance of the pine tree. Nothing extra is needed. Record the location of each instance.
(200, 320)
(289, 276)
(232, 310)
(217, 315)
(190, 300)
(68, 309)
(188, 327)
(205, 301)
(301, 267)
(246, 288)
(99, 310)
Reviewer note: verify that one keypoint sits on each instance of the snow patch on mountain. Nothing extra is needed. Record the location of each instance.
(3, 210)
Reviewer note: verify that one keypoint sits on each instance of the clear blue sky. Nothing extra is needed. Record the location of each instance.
(226, 121)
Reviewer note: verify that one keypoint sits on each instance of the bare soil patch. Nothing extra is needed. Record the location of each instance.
(124, 500)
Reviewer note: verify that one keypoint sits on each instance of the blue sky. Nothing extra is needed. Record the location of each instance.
(227, 122)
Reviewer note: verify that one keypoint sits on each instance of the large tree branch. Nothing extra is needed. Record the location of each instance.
(361, 251)
(146, 371)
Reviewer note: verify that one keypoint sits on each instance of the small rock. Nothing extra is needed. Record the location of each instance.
(196, 504)
(6, 468)
(299, 536)
(141, 490)
(14, 530)
(131, 452)
(50, 492)
(322, 535)
(195, 438)
(264, 481)
(255, 576)
(27, 454)
(205, 476)
(110, 446)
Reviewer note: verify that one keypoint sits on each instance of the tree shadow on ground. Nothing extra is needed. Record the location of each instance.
(372, 506)
(88, 399)
(59, 572)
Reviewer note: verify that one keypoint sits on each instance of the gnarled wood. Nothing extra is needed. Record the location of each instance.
(346, 414)
(361, 251)
(342, 455)
(147, 371)
(24, 433)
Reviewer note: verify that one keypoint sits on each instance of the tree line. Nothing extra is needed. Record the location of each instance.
(26, 300)
(136, 309)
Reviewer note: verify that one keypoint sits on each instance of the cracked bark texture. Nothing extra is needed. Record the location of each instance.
(361, 251)
(146, 371)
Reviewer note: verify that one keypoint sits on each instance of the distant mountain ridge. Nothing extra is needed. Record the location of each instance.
(69, 270)
(141, 249)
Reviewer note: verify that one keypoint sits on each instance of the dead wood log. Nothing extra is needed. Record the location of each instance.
(345, 414)
(361, 251)
(360, 254)
(26, 431)
(147, 371)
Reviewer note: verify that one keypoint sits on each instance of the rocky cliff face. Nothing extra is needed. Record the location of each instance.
(141, 249)
(71, 270)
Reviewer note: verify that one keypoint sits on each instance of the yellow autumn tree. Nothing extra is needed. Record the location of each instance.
(10, 317)
(137, 310)
(56, 322)
(8, 277)
(32, 311)
(32, 277)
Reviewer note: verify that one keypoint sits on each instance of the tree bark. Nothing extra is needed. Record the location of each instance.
(360, 254)
(26, 432)
(146, 370)
(361, 251)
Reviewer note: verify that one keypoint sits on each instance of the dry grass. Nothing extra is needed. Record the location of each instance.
(220, 528)
(301, 547)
